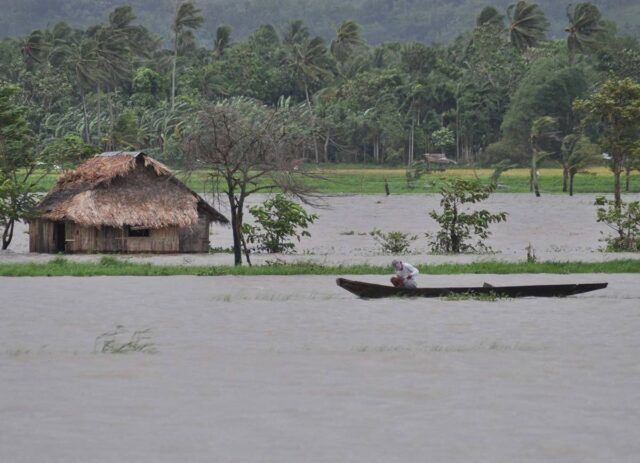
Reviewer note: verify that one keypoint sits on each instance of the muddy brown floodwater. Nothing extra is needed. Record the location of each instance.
(294, 369)
(558, 227)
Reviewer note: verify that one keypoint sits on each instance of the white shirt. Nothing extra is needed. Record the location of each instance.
(406, 271)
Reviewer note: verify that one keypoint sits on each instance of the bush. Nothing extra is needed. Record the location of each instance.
(278, 220)
(457, 226)
(393, 242)
(625, 221)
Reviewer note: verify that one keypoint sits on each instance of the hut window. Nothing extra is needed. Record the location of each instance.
(139, 232)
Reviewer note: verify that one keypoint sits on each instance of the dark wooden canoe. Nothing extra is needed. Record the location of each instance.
(373, 291)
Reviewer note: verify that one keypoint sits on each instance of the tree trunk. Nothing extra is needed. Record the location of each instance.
(313, 123)
(85, 115)
(173, 72)
(617, 170)
(565, 178)
(7, 234)
(534, 174)
(571, 176)
(326, 146)
(99, 117)
(235, 228)
(627, 176)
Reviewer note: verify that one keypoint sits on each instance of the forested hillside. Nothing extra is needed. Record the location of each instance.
(383, 20)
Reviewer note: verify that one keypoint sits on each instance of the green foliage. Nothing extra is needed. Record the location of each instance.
(393, 242)
(67, 152)
(18, 161)
(459, 225)
(624, 220)
(613, 111)
(278, 221)
(443, 138)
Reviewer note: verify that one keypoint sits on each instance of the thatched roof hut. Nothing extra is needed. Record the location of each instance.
(122, 202)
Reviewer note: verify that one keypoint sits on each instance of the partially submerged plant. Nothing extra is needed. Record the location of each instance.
(393, 242)
(278, 221)
(457, 225)
(624, 220)
(111, 343)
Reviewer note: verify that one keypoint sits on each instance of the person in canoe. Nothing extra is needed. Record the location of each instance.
(405, 276)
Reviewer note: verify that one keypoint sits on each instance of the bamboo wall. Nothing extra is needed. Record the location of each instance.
(41, 236)
(79, 239)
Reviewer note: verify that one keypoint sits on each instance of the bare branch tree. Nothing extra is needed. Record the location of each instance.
(251, 148)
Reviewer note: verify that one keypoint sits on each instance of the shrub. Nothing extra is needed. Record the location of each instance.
(393, 242)
(625, 221)
(278, 221)
(458, 226)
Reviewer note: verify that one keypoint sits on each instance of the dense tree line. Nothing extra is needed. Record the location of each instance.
(117, 85)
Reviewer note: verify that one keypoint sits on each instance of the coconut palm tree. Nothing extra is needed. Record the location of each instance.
(347, 39)
(186, 19)
(295, 33)
(308, 64)
(528, 24)
(585, 27)
(79, 54)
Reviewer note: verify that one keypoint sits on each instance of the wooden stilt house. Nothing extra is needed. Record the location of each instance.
(122, 202)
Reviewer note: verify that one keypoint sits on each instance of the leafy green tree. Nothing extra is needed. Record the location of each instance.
(459, 225)
(528, 24)
(624, 219)
(18, 162)
(584, 30)
(614, 110)
(67, 152)
(278, 221)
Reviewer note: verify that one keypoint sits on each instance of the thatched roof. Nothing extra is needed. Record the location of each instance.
(124, 188)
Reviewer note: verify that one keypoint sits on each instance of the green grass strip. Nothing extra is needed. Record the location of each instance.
(110, 266)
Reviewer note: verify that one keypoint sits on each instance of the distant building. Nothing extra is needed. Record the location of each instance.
(121, 202)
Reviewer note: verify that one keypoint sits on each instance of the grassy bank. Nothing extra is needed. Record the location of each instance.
(371, 180)
(110, 266)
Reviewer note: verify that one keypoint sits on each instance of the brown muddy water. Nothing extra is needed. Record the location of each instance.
(558, 227)
(295, 369)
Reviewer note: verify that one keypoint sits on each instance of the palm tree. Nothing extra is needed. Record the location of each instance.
(585, 26)
(113, 52)
(223, 40)
(295, 33)
(543, 137)
(307, 61)
(186, 19)
(80, 55)
(527, 24)
(347, 39)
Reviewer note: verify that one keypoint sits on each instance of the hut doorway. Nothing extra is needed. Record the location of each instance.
(59, 236)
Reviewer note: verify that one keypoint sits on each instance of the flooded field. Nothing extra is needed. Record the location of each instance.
(294, 369)
(558, 227)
